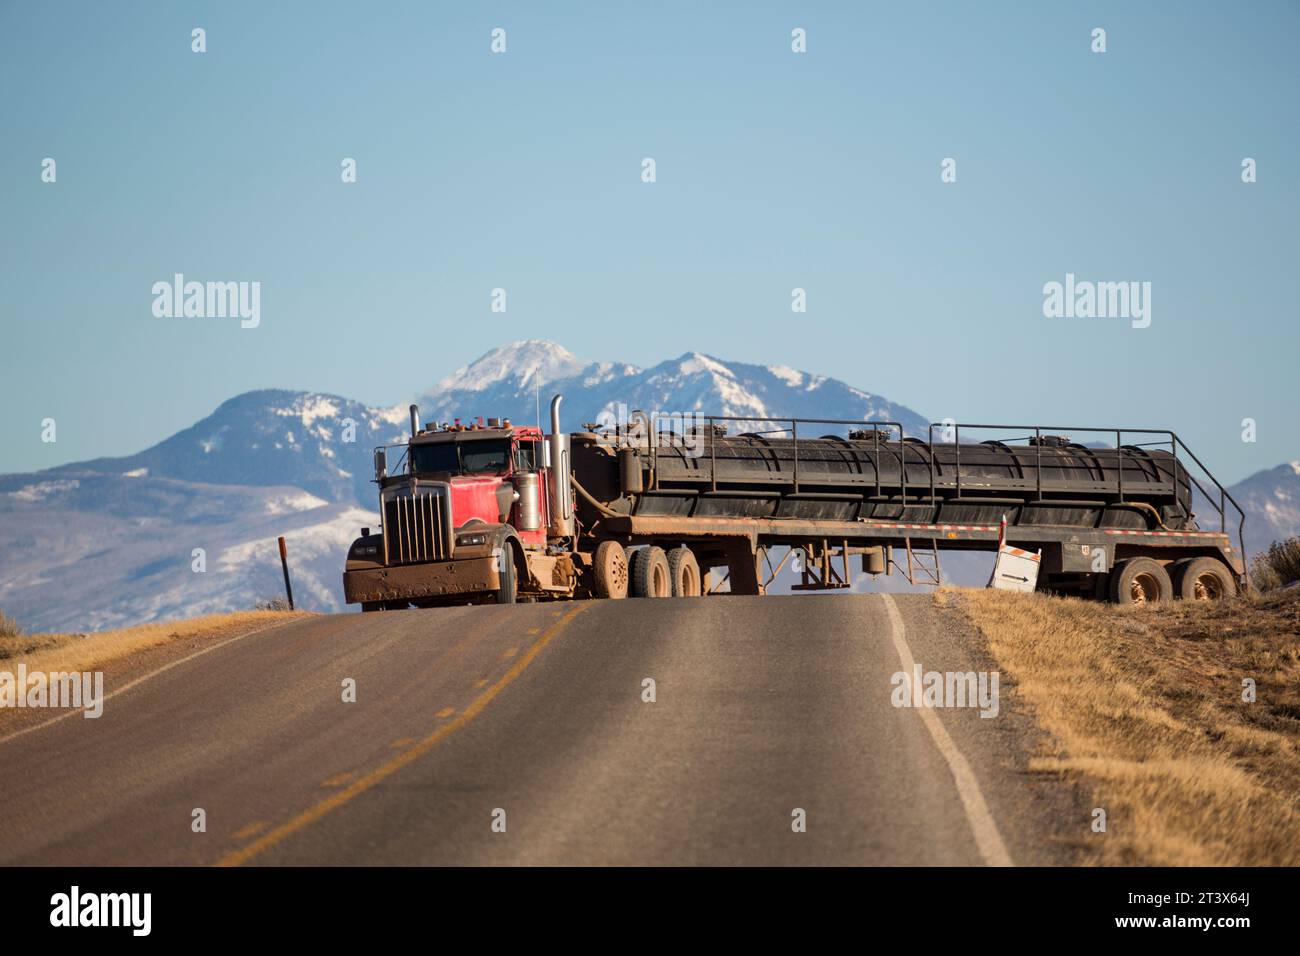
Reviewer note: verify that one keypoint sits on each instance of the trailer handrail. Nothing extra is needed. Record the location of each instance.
(1171, 438)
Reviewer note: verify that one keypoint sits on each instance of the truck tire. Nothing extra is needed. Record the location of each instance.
(1140, 581)
(650, 576)
(1203, 579)
(508, 591)
(684, 572)
(609, 570)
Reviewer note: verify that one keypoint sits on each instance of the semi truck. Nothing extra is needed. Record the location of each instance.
(487, 511)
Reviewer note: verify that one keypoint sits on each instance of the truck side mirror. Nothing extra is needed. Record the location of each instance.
(381, 464)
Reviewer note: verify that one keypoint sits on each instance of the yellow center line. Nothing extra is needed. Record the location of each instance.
(360, 786)
(244, 833)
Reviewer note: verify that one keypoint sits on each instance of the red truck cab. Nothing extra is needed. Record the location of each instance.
(465, 515)
(495, 474)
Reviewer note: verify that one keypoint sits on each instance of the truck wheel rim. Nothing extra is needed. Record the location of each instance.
(690, 586)
(660, 580)
(1207, 587)
(616, 572)
(1143, 589)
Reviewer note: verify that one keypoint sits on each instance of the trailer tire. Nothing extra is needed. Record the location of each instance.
(609, 570)
(684, 572)
(1203, 579)
(1140, 581)
(508, 590)
(650, 577)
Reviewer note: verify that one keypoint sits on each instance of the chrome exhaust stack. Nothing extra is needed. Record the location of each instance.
(415, 420)
(561, 492)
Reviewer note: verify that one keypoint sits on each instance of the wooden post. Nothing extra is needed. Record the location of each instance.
(284, 564)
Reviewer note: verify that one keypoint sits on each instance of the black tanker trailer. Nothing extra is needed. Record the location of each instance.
(1110, 520)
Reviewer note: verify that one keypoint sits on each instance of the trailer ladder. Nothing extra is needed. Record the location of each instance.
(922, 564)
(816, 566)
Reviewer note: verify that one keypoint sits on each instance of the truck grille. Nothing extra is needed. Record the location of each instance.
(415, 529)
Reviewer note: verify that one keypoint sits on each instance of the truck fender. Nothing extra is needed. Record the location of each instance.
(503, 540)
(366, 552)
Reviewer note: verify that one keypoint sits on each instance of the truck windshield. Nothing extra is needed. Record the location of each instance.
(475, 457)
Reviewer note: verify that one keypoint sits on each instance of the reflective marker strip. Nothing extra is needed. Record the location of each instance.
(993, 527)
(1031, 555)
(934, 527)
(1167, 534)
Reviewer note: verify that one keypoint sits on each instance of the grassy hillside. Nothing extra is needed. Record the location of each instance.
(1144, 706)
(81, 652)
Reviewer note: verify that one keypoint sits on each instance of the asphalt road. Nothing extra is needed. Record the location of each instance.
(534, 717)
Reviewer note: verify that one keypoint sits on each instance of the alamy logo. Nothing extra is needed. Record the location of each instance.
(209, 300)
(1098, 300)
(103, 909)
(55, 689)
(946, 689)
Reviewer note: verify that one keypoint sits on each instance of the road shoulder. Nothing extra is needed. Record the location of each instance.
(1042, 815)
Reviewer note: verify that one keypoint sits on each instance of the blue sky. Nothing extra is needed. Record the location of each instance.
(775, 171)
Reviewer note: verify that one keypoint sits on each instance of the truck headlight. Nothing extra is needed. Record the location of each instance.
(470, 540)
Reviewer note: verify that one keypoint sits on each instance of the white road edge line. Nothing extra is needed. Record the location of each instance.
(987, 838)
(144, 677)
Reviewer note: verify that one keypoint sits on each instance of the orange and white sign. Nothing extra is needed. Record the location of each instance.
(1015, 569)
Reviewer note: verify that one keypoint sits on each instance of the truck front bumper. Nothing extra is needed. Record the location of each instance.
(414, 581)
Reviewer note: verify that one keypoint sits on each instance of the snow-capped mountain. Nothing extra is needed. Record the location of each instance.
(520, 363)
(691, 383)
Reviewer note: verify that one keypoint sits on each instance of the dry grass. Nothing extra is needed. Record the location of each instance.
(1145, 707)
(80, 652)
(8, 627)
(1278, 566)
